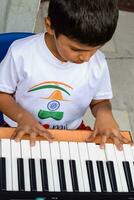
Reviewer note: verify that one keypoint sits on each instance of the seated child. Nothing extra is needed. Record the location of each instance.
(50, 79)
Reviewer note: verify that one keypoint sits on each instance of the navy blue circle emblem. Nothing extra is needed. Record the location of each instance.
(53, 105)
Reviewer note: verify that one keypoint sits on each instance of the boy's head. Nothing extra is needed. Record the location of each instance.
(91, 22)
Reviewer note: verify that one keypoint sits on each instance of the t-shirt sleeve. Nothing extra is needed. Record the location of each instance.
(104, 89)
(8, 73)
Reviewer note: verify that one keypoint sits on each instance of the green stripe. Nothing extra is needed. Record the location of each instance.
(48, 86)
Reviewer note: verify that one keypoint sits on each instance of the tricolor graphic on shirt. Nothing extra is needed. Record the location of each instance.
(55, 97)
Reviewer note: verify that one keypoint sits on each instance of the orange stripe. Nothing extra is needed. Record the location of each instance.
(55, 82)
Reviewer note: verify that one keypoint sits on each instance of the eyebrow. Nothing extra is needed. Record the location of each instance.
(75, 48)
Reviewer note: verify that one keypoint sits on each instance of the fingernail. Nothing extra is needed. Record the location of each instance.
(102, 146)
(120, 148)
(17, 140)
(32, 144)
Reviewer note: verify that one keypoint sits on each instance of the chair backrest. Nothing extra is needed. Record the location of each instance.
(6, 40)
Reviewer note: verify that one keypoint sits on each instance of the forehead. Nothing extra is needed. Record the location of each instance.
(64, 40)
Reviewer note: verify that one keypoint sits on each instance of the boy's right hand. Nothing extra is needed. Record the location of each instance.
(27, 124)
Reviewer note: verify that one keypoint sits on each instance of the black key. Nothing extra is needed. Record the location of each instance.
(74, 175)
(101, 176)
(44, 176)
(32, 172)
(62, 179)
(127, 170)
(111, 172)
(90, 173)
(3, 174)
(20, 169)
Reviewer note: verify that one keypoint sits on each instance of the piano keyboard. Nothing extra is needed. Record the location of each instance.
(65, 170)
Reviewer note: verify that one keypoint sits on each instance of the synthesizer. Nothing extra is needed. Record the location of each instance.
(67, 168)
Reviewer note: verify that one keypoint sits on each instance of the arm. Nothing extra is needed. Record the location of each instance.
(105, 124)
(100, 106)
(14, 111)
(26, 122)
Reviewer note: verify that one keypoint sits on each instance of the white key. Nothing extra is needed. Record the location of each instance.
(83, 157)
(127, 149)
(111, 156)
(74, 155)
(35, 154)
(26, 154)
(15, 149)
(45, 154)
(101, 156)
(64, 152)
(55, 154)
(93, 158)
(120, 157)
(6, 152)
(132, 151)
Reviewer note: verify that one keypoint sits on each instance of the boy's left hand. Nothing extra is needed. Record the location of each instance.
(106, 127)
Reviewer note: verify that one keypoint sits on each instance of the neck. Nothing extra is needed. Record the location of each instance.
(50, 42)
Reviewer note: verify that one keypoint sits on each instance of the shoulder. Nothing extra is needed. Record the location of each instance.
(26, 44)
(98, 63)
(99, 59)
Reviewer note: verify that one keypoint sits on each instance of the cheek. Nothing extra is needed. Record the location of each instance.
(60, 49)
(65, 52)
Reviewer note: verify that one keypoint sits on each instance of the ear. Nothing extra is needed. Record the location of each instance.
(48, 26)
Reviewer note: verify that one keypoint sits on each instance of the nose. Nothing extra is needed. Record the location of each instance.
(85, 56)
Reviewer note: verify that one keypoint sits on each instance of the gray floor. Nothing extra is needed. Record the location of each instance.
(120, 56)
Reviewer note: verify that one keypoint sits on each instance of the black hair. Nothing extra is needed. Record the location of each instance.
(91, 22)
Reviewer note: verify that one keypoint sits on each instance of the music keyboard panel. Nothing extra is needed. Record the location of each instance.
(88, 165)
(65, 170)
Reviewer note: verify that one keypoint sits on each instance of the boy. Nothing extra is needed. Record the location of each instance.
(50, 79)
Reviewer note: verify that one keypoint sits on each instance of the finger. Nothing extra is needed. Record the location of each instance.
(18, 136)
(132, 144)
(46, 134)
(15, 132)
(32, 139)
(118, 143)
(92, 136)
(103, 141)
(124, 140)
(116, 133)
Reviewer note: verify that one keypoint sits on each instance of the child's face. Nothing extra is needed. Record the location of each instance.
(73, 51)
(67, 49)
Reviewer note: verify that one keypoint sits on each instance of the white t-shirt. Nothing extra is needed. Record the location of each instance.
(56, 93)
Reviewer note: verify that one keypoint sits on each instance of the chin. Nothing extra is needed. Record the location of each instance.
(78, 62)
